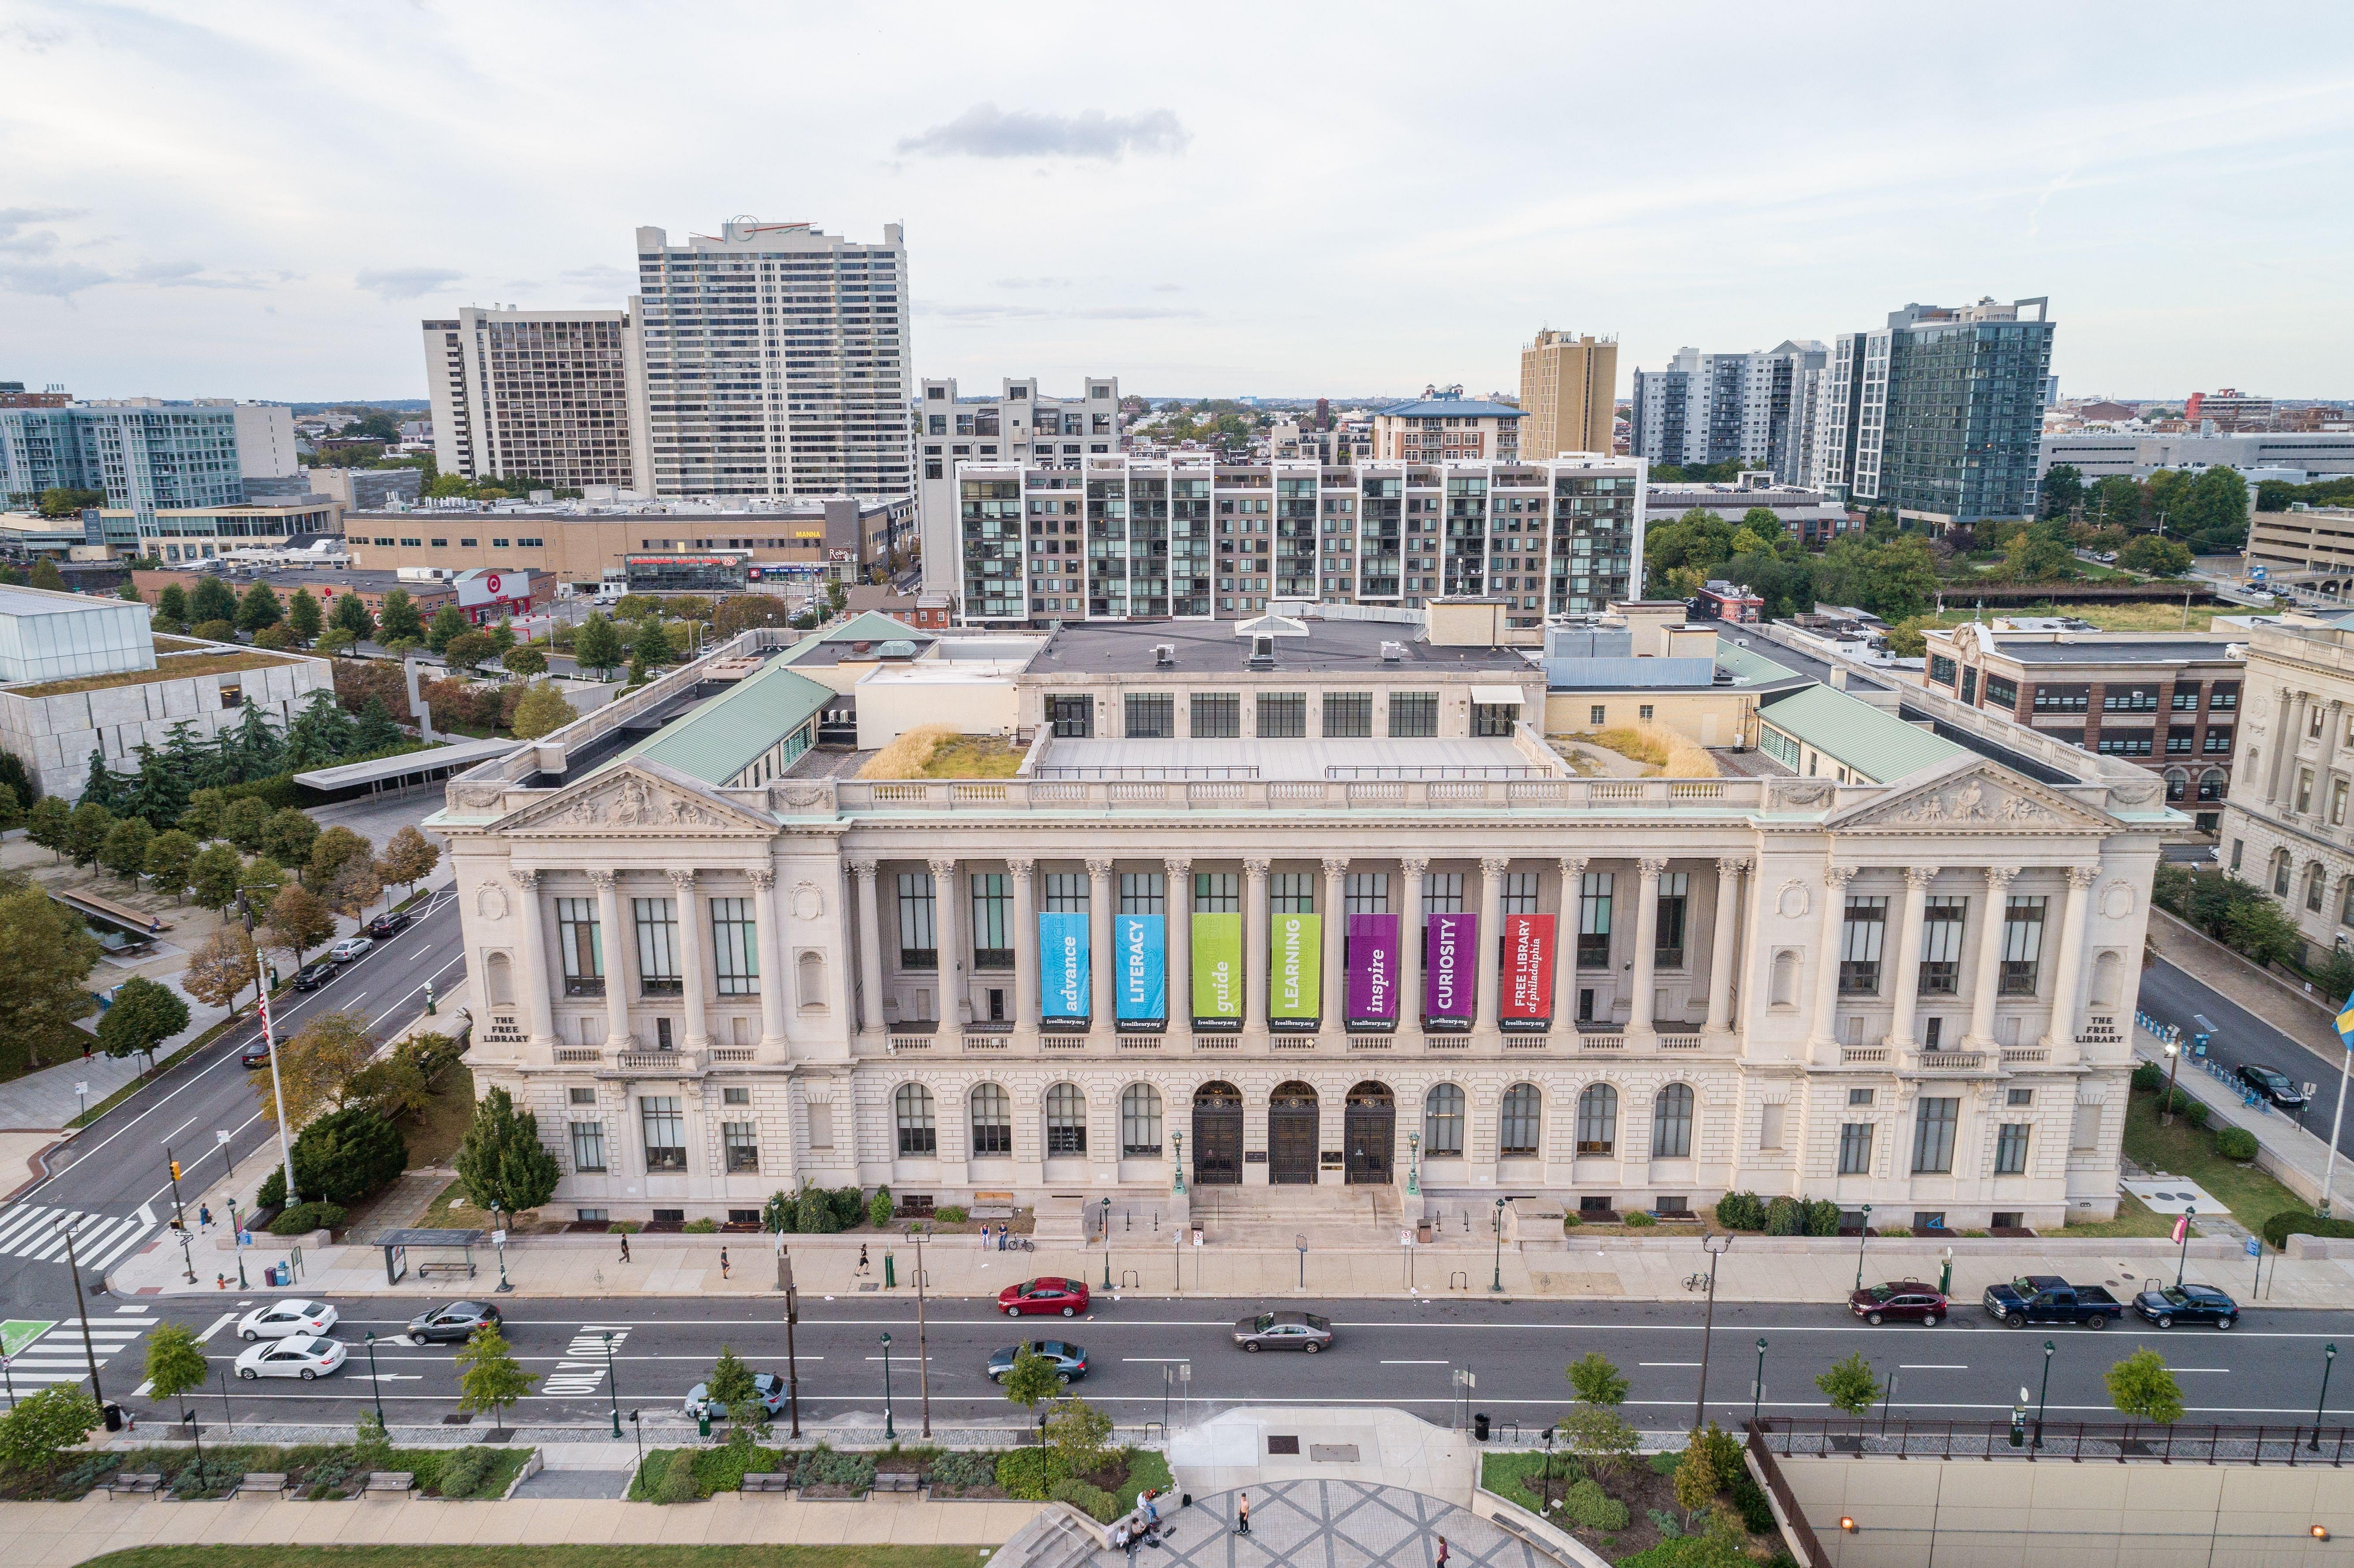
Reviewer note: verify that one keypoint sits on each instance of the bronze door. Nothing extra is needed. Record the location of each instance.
(1370, 1123)
(1217, 1136)
(1291, 1136)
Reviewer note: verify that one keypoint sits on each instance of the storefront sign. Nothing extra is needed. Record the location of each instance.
(1372, 970)
(1143, 968)
(1450, 978)
(1062, 966)
(1527, 994)
(1218, 970)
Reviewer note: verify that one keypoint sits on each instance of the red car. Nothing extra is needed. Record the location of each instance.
(1067, 1296)
(1903, 1300)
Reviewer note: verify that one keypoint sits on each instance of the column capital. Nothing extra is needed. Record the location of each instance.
(1650, 870)
(1733, 866)
(1494, 864)
(1255, 868)
(682, 880)
(765, 878)
(942, 868)
(1414, 865)
(2082, 875)
(1999, 877)
(863, 870)
(1571, 865)
(1336, 866)
(601, 880)
(1921, 875)
(1178, 865)
(1100, 868)
(1839, 875)
(526, 880)
(1021, 868)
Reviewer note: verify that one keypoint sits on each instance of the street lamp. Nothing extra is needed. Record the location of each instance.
(1414, 1165)
(2329, 1356)
(1863, 1232)
(1497, 1285)
(2044, 1399)
(1298, 1241)
(237, 1235)
(923, 1352)
(73, 1267)
(2173, 1067)
(499, 1234)
(890, 1434)
(1757, 1393)
(1177, 1161)
(2182, 1259)
(1717, 1246)
(375, 1383)
(1107, 1230)
(612, 1385)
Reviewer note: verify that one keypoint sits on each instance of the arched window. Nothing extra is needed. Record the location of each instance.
(918, 1135)
(2314, 879)
(1140, 1120)
(1442, 1120)
(1597, 1120)
(1067, 1120)
(2211, 784)
(1786, 979)
(1516, 1123)
(992, 1120)
(2178, 784)
(2280, 873)
(1671, 1123)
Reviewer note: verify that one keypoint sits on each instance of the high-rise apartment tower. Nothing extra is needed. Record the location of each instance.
(543, 394)
(1569, 387)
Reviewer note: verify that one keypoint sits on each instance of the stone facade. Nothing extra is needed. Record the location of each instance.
(2289, 826)
(54, 735)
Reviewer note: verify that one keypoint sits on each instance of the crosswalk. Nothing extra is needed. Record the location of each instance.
(57, 1356)
(30, 1231)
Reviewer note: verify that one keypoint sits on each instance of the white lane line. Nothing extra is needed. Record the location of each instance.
(1178, 1360)
(1667, 1364)
(223, 1321)
(1932, 1366)
(1431, 1363)
(141, 1310)
(2199, 1369)
(178, 1130)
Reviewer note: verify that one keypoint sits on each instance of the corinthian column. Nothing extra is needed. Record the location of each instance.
(1025, 944)
(613, 939)
(1103, 956)
(1985, 982)
(1489, 967)
(536, 1006)
(1825, 1030)
(1179, 901)
(1564, 942)
(1255, 953)
(2069, 977)
(772, 965)
(1724, 944)
(1334, 1003)
(1906, 969)
(1410, 939)
(1645, 985)
(946, 942)
(691, 981)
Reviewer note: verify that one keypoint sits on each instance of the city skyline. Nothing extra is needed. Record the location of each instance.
(1197, 235)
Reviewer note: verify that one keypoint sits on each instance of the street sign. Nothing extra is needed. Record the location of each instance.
(2252, 1247)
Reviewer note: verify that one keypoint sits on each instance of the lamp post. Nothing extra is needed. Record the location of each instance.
(612, 1385)
(2043, 1400)
(499, 1235)
(1414, 1165)
(270, 1041)
(1757, 1393)
(1301, 1242)
(923, 1357)
(1107, 1230)
(188, 1259)
(236, 1233)
(375, 1383)
(1863, 1234)
(1496, 1284)
(2173, 1067)
(2329, 1356)
(2182, 1259)
(889, 1434)
(1717, 1246)
(792, 1316)
(1177, 1161)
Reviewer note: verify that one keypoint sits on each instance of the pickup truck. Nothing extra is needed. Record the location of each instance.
(2048, 1298)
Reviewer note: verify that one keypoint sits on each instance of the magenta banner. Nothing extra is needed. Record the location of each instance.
(1372, 970)
(1450, 982)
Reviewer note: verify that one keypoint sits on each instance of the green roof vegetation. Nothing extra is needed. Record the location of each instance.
(1879, 748)
(168, 667)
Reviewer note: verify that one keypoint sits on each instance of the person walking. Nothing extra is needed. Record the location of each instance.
(862, 1257)
(1442, 1552)
(203, 1216)
(625, 1246)
(723, 1263)
(1241, 1513)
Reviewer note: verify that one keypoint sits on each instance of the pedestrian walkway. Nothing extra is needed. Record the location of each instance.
(1322, 1523)
(56, 1353)
(41, 1235)
(47, 1098)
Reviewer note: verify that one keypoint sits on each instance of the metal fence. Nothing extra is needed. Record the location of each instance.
(2074, 1441)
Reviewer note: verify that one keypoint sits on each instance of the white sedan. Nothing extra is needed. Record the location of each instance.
(286, 1317)
(306, 1358)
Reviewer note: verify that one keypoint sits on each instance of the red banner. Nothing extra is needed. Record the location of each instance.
(1527, 990)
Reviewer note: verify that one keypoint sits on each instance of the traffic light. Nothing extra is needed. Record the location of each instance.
(176, 1170)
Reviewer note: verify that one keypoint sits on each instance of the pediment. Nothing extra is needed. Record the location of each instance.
(637, 799)
(1973, 796)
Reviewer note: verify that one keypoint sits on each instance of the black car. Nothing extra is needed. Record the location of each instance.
(255, 1055)
(391, 924)
(1070, 1360)
(312, 976)
(458, 1320)
(2168, 1305)
(2273, 1085)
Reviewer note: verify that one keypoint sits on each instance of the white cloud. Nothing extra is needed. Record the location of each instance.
(985, 131)
(406, 282)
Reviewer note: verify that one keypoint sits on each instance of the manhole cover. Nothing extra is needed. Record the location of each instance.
(1283, 1444)
(461, 1419)
(1332, 1452)
(870, 1287)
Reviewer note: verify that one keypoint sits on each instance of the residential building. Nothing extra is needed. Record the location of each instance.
(2287, 826)
(1188, 537)
(177, 534)
(13, 395)
(1724, 408)
(545, 395)
(2096, 454)
(1019, 424)
(1569, 387)
(1447, 427)
(1810, 515)
(146, 453)
(368, 489)
(1937, 414)
(776, 362)
(2230, 409)
(1339, 920)
(2171, 702)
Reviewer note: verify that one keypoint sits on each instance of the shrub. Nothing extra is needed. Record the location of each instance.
(1665, 1521)
(463, 1472)
(823, 1468)
(2235, 1143)
(347, 1154)
(303, 1218)
(1091, 1499)
(878, 1208)
(964, 1472)
(1588, 1505)
(2289, 1222)
(2198, 1113)
(815, 1214)
(1822, 1216)
(951, 1214)
(624, 1227)
(1636, 1219)
(1664, 1462)
(1741, 1211)
(678, 1481)
(2149, 1078)
(1724, 1451)
(1749, 1497)
(781, 1214)
(849, 1207)
(723, 1469)
(1785, 1217)
(700, 1227)
(1029, 1473)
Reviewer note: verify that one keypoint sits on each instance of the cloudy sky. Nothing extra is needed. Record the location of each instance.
(263, 199)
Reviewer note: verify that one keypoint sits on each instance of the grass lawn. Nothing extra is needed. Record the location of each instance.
(450, 1212)
(58, 1043)
(549, 1556)
(1519, 1477)
(974, 757)
(2133, 1220)
(170, 667)
(2186, 1151)
(440, 1125)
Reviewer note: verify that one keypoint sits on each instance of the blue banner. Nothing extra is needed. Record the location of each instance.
(1143, 968)
(1062, 966)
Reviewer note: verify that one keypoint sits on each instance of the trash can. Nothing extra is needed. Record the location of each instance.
(1480, 1427)
(114, 1417)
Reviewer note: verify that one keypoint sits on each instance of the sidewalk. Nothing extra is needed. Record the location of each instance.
(2285, 1151)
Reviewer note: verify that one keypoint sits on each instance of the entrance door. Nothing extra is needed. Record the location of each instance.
(1217, 1136)
(1292, 1135)
(1370, 1123)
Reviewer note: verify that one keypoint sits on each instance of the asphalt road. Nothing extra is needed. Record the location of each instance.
(113, 1181)
(2242, 1038)
(1390, 1352)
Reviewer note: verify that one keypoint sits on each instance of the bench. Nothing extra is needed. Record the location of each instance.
(426, 1270)
(897, 1481)
(133, 1484)
(262, 1483)
(391, 1481)
(769, 1481)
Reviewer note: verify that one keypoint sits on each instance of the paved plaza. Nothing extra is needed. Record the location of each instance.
(1331, 1524)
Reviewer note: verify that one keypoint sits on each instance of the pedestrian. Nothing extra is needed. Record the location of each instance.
(1442, 1552)
(203, 1216)
(862, 1257)
(723, 1263)
(1151, 1512)
(1000, 1235)
(1241, 1513)
(625, 1246)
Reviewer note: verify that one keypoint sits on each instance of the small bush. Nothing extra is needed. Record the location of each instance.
(623, 1228)
(1785, 1217)
(464, 1473)
(951, 1214)
(1569, 1220)
(1749, 1497)
(1822, 1216)
(825, 1468)
(304, 1218)
(1589, 1506)
(2235, 1143)
(2289, 1222)
(1665, 1521)
(1636, 1219)
(1030, 1473)
(781, 1214)
(700, 1227)
(2198, 1113)
(964, 1472)
(849, 1207)
(723, 1469)
(1093, 1500)
(878, 1208)
(2149, 1078)
(1741, 1211)
(1664, 1463)
(678, 1481)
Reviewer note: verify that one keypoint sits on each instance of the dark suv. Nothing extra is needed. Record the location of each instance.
(391, 924)
(311, 976)
(2273, 1085)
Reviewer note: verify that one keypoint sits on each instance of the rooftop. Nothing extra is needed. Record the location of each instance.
(728, 733)
(25, 601)
(1880, 746)
(861, 637)
(1214, 648)
(1452, 408)
(1461, 758)
(2031, 649)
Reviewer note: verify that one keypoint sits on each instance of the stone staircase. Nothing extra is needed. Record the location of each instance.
(1327, 1214)
(1056, 1537)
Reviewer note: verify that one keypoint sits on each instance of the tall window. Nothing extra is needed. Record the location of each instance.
(1074, 718)
(1941, 946)
(1152, 716)
(1442, 1121)
(1217, 892)
(1217, 715)
(1413, 715)
(1348, 714)
(665, 1132)
(919, 931)
(1867, 922)
(992, 920)
(2314, 879)
(911, 1106)
(1675, 900)
(1855, 1148)
(1520, 892)
(1140, 1120)
(1282, 716)
(583, 943)
(657, 945)
(1366, 892)
(1067, 892)
(1594, 920)
(742, 1141)
(1932, 1136)
(1442, 892)
(1671, 1118)
(2022, 943)
(588, 1146)
(1067, 1120)
(1143, 893)
(1597, 1120)
(1291, 893)
(993, 1122)
(2010, 1149)
(1517, 1119)
(736, 946)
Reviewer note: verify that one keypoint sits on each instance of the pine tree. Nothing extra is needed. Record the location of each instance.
(259, 608)
(651, 645)
(103, 788)
(501, 1161)
(320, 735)
(160, 793)
(375, 731)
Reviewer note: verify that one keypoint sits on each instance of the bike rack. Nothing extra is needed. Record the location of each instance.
(1458, 1280)
(1150, 1427)
(1129, 1280)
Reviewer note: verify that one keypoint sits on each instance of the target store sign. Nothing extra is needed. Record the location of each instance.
(485, 589)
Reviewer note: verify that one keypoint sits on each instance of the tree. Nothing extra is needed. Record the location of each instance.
(501, 1161)
(101, 786)
(597, 646)
(212, 599)
(315, 1066)
(12, 810)
(1031, 1378)
(171, 860)
(144, 1016)
(214, 631)
(213, 876)
(244, 823)
(528, 658)
(259, 608)
(542, 711)
(490, 1378)
(398, 617)
(351, 616)
(85, 832)
(260, 880)
(298, 922)
(651, 644)
(124, 850)
(1850, 1385)
(731, 1385)
(176, 1363)
(741, 612)
(376, 731)
(35, 1435)
(47, 576)
(63, 501)
(347, 1154)
(303, 617)
(160, 792)
(2259, 928)
(2064, 488)
(321, 734)
(355, 886)
(1697, 1482)
(1600, 1437)
(171, 603)
(1595, 1378)
(2140, 1386)
(448, 622)
(2157, 554)
(1078, 1431)
(468, 649)
(50, 824)
(224, 964)
(47, 953)
(287, 836)
(1904, 639)
(330, 852)
(409, 857)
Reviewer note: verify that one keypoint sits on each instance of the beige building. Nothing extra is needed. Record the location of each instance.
(1263, 910)
(2287, 826)
(549, 395)
(1569, 387)
(2309, 546)
(1448, 426)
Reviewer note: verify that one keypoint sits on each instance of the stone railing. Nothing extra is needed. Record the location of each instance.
(989, 797)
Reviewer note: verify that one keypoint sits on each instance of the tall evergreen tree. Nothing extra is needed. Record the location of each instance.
(303, 617)
(352, 615)
(320, 735)
(159, 793)
(212, 600)
(400, 616)
(259, 608)
(375, 730)
(103, 788)
(260, 752)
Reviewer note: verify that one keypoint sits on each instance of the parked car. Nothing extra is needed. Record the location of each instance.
(286, 1319)
(1283, 1331)
(1905, 1300)
(1070, 1360)
(1067, 1296)
(458, 1320)
(311, 976)
(391, 924)
(769, 1389)
(2273, 1085)
(306, 1358)
(350, 947)
(2167, 1304)
(2048, 1298)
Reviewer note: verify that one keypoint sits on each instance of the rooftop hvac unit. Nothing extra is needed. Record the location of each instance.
(1164, 653)
(1262, 654)
(1393, 652)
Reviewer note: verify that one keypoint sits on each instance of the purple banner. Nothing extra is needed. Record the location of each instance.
(1450, 984)
(1373, 969)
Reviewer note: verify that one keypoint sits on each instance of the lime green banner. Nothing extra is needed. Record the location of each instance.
(1219, 967)
(1295, 984)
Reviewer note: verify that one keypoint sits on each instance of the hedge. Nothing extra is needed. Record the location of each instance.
(2287, 1224)
(2235, 1143)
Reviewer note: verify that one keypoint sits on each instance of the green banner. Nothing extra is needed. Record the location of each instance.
(1219, 967)
(1294, 967)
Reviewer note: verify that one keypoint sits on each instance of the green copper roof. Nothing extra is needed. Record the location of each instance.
(868, 625)
(726, 734)
(1878, 746)
(1748, 668)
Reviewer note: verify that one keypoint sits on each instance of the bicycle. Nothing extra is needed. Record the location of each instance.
(1695, 1282)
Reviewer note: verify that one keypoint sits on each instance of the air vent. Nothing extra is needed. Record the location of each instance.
(1393, 652)
(1262, 654)
(1164, 653)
